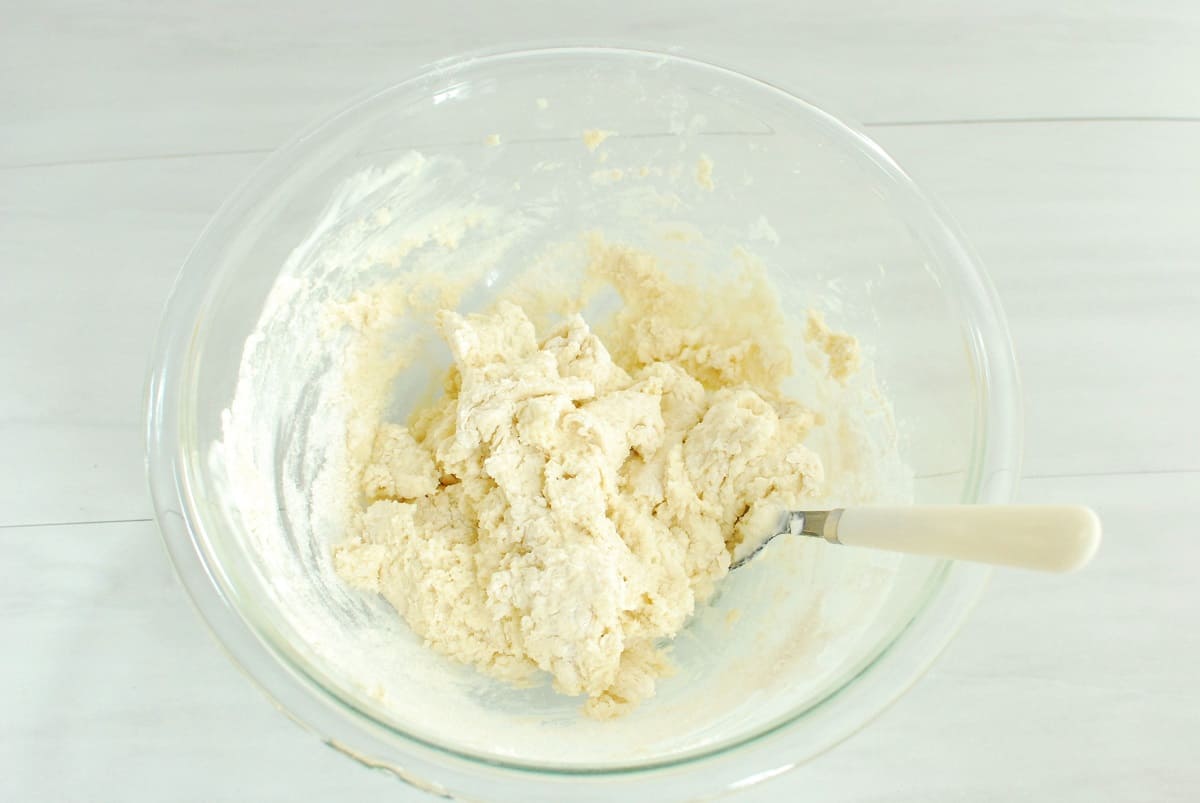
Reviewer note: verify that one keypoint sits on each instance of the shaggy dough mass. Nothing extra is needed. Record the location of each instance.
(568, 501)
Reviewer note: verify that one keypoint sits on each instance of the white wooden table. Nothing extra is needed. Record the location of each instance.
(1064, 136)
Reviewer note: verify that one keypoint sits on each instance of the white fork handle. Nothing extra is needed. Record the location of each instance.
(1053, 538)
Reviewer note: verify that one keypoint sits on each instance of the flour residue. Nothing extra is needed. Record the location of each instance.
(347, 347)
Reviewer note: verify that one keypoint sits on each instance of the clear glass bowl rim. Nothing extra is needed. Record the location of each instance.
(344, 725)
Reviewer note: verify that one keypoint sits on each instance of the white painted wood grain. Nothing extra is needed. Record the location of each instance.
(124, 123)
(113, 691)
(130, 78)
(88, 254)
(1077, 688)
(1089, 233)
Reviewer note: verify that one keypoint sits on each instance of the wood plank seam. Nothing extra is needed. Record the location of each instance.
(932, 123)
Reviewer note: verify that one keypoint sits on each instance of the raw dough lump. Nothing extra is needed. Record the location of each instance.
(568, 501)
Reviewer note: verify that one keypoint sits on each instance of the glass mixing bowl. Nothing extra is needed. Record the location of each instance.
(800, 648)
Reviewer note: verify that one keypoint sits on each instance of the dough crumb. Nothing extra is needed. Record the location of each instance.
(492, 139)
(593, 137)
(704, 173)
(841, 350)
(542, 103)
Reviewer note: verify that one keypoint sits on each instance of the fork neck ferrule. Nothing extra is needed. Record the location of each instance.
(816, 523)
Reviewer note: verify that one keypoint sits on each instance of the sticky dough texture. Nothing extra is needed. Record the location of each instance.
(568, 502)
